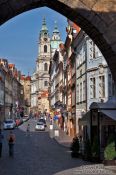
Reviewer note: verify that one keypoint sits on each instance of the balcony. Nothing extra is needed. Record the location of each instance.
(94, 63)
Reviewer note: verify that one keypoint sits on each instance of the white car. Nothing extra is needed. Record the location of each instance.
(42, 120)
(25, 118)
(9, 124)
(40, 126)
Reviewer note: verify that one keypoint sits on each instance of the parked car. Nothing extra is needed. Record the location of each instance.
(40, 126)
(9, 124)
(25, 118)
(42, 120)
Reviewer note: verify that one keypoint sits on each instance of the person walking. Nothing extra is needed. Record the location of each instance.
(28, 130)
(1, 140)
(11, 141)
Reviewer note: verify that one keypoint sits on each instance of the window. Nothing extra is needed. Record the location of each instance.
(92, 88)
(98, 52)
(94, 56)
(45, 48)
(110, 85)
(84, 91)
(80, 72)
(101, 86)
(83, 54)
(77, 95)
(80, 92)
(92, 50)
(45, 67)
(45, 83)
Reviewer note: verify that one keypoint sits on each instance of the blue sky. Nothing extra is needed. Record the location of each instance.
(19, 36)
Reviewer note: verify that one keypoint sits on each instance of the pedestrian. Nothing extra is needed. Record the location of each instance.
(1, 140)
(51, 121)
(11, 141)
(28, 129)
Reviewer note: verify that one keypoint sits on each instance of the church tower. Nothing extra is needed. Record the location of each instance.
(55, 40)
(42, 68)
(41, 77)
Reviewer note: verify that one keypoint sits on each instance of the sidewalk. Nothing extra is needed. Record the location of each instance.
(63, 138)
(112, 168)
(60, 136)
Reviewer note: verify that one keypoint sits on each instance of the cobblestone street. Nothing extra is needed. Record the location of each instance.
(38, 154)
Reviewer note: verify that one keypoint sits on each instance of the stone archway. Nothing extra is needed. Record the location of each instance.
(96, 17)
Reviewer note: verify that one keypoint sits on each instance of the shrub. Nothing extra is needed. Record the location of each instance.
(110, 152)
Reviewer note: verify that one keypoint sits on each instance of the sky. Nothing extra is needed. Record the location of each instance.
(19, 37)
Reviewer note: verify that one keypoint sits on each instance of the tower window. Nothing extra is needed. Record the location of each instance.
(45, 33)
(45, 83)
(45, 48)
(45, 67)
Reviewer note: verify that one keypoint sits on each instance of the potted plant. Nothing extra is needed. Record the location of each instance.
(110, 152)
(75, 147)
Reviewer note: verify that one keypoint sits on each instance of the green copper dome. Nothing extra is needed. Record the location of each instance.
(55, 28)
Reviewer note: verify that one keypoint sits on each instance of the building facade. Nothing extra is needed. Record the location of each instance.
(69, 79)
(34, 95)
(41, 78)
(26, 83)
(2, 94)
(11, 90)
(93, 83)
(55, 70)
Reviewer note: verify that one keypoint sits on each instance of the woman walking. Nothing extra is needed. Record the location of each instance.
(11, 140)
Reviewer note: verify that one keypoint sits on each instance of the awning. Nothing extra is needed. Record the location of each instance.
(110, 113)
(110, 104)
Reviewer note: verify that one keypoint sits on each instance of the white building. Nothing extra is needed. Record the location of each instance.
(34, 92)
(55, 60)
(93, 77)
(41, 78)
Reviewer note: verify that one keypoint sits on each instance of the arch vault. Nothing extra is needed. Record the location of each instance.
(96, 17)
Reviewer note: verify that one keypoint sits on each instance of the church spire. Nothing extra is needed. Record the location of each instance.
(55, 28)
(56, 39)
(56, 33)
(44, 27)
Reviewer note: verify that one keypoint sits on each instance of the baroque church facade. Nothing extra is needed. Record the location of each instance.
(40, 78)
